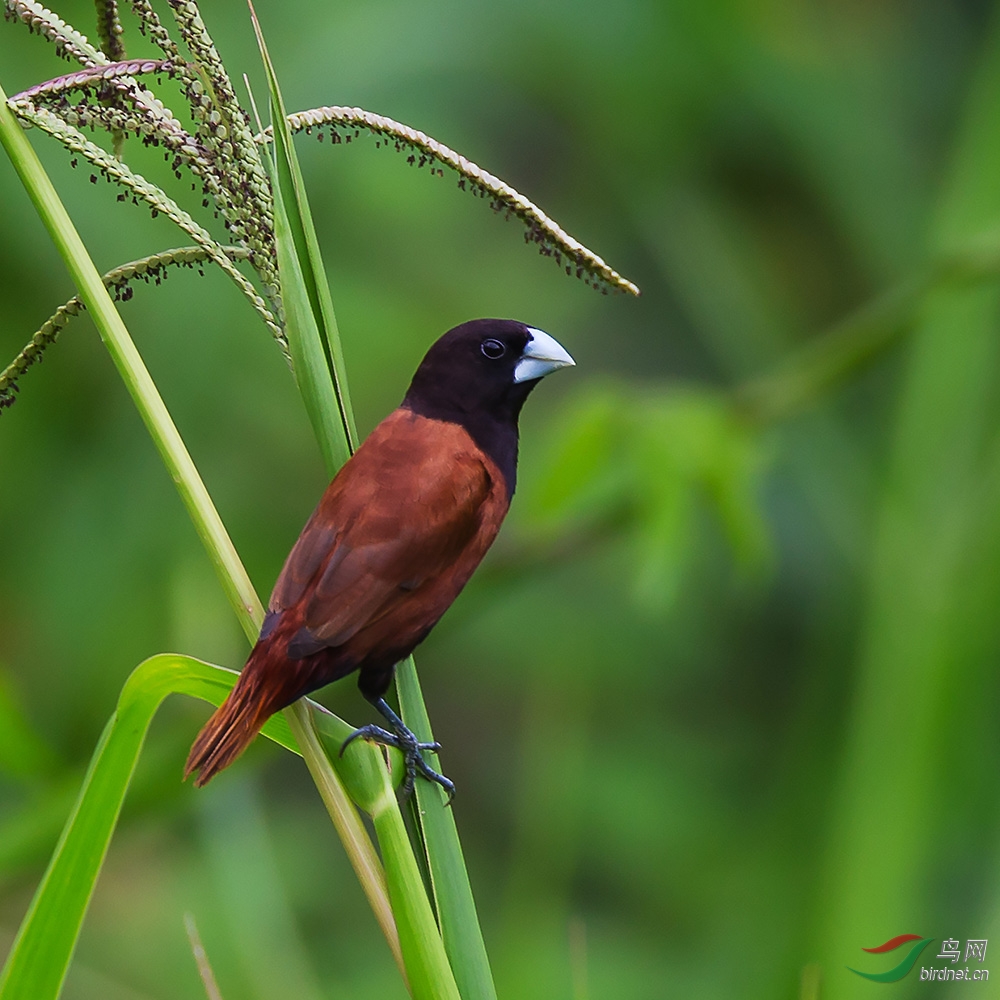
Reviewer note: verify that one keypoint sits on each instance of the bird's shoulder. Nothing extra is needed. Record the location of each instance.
(409, 461)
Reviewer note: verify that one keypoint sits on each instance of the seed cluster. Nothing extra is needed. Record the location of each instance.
(109, 29)
(345, 124)
(154, 268)
(69, 43)
(118, 172)
(221, 155)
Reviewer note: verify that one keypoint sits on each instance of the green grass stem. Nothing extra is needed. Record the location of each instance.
(456, 907)
(311, 325)
(41, 953)
(133, 371)
(208, 524)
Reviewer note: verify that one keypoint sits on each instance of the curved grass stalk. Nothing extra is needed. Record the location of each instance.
(553, 240)
(67, 40)
(95, 76)
(116, 170)
(41, 953)
(119, 279)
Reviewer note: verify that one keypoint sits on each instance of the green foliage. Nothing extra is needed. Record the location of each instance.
(453, 900)
(41, 952)
(639, 463)
(313, 337)
(673, 777)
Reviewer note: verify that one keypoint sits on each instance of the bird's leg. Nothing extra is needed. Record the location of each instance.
(406, 742)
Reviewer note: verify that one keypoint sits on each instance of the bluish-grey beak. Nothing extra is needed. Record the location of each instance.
(541, 355)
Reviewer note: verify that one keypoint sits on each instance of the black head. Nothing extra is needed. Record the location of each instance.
(479, 374)
(485, 366)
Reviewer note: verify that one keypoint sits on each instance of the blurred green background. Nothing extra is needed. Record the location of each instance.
(722, 704)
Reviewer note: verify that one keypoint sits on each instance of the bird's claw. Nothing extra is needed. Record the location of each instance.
(416, 762)
(375, 734)
(411, 749)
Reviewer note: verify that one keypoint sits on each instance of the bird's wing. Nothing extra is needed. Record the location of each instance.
(399, 514)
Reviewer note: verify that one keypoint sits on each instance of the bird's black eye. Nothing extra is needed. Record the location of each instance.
(494, 349)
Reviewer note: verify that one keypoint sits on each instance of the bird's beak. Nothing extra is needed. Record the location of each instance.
(541, 355)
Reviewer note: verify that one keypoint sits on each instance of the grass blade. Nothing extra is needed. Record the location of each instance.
(453, 895)
(136, 377)
(456, 907)
(41, 953)
(201, 510)
(428, 971)
(310, 322)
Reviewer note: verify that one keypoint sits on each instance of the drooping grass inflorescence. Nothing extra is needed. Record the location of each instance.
(221, 154)
(121, 280)
(345, 124)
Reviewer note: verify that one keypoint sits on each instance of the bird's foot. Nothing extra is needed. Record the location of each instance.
(411, 749)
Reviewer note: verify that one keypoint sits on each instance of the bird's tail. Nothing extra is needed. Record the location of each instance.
(231, 729)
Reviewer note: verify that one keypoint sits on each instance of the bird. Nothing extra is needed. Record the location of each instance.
(396, 536)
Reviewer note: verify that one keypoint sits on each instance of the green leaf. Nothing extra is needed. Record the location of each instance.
(40, 955)
(311, 326)
(463, 939)
(309, 311)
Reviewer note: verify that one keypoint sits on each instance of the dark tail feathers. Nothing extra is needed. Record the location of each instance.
(230, 730)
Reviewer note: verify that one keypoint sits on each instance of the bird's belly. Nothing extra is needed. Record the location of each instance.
(393, 636)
